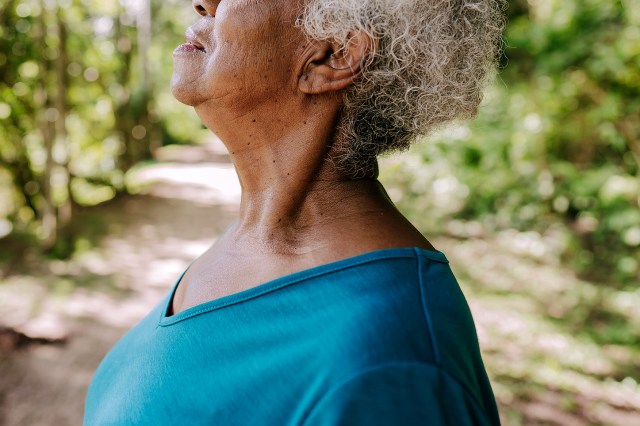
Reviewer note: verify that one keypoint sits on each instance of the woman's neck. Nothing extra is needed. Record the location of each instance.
(292, 191)
(294, 199)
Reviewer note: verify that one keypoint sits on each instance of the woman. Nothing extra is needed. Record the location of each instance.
(321, 304)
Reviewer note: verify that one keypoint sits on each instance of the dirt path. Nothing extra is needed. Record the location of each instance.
(135, 247)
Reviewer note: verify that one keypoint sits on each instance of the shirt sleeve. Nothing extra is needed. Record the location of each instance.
(399, 394)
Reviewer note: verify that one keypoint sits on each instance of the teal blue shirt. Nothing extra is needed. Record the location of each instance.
(384, 338)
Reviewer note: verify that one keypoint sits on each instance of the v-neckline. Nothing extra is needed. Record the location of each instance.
(289, 279)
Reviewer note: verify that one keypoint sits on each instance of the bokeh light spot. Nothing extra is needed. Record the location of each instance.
(91, 74)
(51, 114)
(74, 69)
(5, 110)
(139, 132)
(29, 69)
(20, 89)
(23, 10)
(23, 26)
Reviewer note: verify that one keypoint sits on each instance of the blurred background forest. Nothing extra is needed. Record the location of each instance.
(107, 186)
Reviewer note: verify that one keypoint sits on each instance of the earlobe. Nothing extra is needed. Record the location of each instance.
(331, 67)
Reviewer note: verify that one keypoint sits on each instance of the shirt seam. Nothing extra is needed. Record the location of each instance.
(392, 364)
(425, 310)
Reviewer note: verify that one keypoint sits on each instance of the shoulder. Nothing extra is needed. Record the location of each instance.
(398, 303)
(397, 291)
(376, 305)
(407, 324)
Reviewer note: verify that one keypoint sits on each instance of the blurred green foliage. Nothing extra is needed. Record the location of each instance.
(556, 146)
(84, 96)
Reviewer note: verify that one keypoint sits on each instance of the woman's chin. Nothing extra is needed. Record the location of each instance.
(183, 91)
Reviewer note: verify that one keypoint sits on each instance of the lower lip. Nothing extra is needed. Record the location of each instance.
(187, 48)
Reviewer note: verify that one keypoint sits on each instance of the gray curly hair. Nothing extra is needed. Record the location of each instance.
(432, 60)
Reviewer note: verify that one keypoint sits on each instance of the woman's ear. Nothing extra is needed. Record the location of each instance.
(331, 67)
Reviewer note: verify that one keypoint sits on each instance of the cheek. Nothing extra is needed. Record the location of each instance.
(247, 63)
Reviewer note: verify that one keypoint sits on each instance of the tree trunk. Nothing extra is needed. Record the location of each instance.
(61, 105)
(47, 130)
(122, 123)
